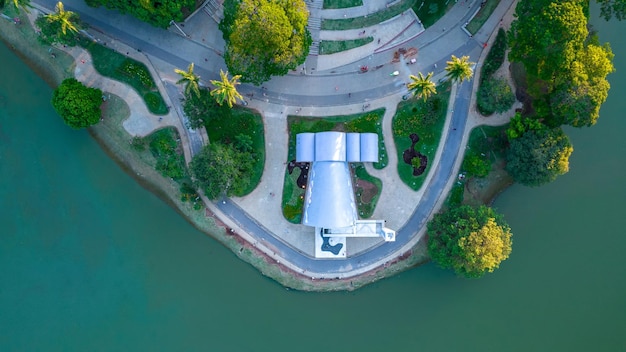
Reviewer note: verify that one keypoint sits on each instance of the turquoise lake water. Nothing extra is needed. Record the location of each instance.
(90, 261)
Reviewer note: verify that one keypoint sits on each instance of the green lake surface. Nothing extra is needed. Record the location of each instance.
(90, 261)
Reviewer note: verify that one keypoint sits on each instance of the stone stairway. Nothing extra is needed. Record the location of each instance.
(314, 26)
(215, 9)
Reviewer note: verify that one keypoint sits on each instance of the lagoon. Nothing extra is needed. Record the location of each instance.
(91, 261)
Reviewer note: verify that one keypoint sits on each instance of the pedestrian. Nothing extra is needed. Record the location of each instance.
(378, 40)
(349, 95)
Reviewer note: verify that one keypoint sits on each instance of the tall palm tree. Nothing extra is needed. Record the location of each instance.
(190, 79)
(422, 87)
(459, 69)
(65, 18)
(22, 4)
(226, 90)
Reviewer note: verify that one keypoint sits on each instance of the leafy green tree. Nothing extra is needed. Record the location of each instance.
(459, 69)
(546, 53)
(520, 125)
(222, 169)
(471, 241)
(476, 165)
(610, 8)
(78, 105)
(266, 38)
(226, 89)
(494, 95)
(539, 156)
(422, 87)
(65, 18)
(577, 101)
(158, 13)
(190, 80)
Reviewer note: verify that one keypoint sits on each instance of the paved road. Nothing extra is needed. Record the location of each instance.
(321, 89)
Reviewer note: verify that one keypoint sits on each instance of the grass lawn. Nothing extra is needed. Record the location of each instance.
(430, 11)
(114, 65)
(341, 4)
(242, 121)
(293, 197)
(409, 119)
(482, 16)
(328, 47)
(366, 21)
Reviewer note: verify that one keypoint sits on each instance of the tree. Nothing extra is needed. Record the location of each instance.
(539, 156)
(21, 4)
(476, 165)
(547, 53)
(222, 169)
(471, 241)
(78, 105)
(610, 8)
(266, 38)
(158, 13)
(226, 89)
(494, 95)
(422, 87)
(65, 18)
(577, 101)
(459, 69)
(520, 125)
(190, 79)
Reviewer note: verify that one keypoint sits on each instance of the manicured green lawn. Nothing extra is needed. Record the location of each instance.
(410, 119)
(430, 11)
(114, 65)
(328, 47)
(482, 16)
(293, 197)
(341, 4)
(366, 21)
(242, 121)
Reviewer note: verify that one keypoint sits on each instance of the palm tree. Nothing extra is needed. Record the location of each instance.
(459, 69)
(23, 4)
(422, 87)
(190, 79)
(226, 90)
(65, 18)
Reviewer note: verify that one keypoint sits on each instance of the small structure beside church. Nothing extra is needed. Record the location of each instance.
(329, 203)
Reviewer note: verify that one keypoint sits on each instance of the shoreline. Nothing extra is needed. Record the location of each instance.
(35, 56)
(110, 137)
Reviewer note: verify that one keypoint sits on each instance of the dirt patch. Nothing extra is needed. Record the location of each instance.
(480, 191)
(368, 190)
(410, 154)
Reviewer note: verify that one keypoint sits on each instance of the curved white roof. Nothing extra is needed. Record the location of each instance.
(337, 146)
(329, 198)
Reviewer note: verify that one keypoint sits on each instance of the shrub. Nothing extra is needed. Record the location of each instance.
(496, 55)
(494, 95)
